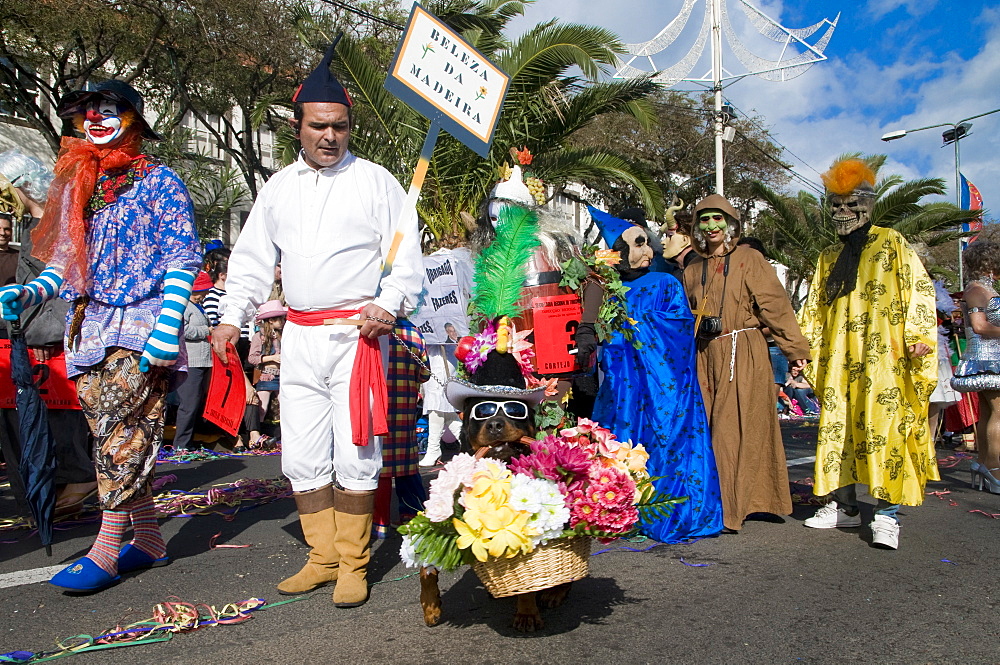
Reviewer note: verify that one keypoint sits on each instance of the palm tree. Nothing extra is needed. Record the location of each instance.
(795, 229)
(545, 105)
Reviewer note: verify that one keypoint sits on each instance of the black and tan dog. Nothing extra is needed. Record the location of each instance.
(498, 421)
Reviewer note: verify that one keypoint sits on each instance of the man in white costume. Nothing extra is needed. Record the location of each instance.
(330, 218)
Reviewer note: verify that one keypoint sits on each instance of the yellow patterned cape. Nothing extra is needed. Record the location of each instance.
(874, 397)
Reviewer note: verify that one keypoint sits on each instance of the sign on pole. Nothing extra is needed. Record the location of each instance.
(444, 78)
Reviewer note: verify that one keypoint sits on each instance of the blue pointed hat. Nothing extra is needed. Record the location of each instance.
(321, 85)
(611, 227)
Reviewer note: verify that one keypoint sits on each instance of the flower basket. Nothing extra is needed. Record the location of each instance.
(557, 562)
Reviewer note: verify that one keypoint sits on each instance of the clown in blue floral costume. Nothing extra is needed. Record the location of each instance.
(118, 237)
(650, 393)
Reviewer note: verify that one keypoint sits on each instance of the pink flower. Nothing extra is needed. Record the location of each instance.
(483, 342)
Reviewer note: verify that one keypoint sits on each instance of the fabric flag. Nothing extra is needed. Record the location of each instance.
(971, 200)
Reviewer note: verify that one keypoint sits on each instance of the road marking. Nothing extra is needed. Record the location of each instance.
(800, 460)
(28, 576)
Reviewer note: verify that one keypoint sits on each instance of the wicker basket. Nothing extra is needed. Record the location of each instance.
(557, 562)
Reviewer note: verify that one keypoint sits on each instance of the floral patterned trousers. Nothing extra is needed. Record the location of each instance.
(125, 409)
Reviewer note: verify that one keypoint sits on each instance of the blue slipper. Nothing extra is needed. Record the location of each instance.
(84, 575)
(132, 558)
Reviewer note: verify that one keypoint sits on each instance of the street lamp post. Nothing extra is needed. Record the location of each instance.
(959, 130)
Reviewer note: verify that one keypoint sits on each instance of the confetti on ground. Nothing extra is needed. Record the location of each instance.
(695, 565)
(953, 460)
(225, 499)
(995, 516)
(947, 561)
(213, 546)
(169, 618)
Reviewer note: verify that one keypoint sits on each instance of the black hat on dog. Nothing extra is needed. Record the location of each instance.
(499, 378)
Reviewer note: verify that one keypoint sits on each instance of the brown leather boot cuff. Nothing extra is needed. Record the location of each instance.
(354, 503)
(315, 500)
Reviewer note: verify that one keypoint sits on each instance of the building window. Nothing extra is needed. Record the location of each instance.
(25, 87)
(201, 140)
(266, 148)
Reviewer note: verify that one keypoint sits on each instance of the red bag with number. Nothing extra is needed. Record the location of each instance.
(227, 392)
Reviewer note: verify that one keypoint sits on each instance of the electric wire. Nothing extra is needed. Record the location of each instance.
(363, 13)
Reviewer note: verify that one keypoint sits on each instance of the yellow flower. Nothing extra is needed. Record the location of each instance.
(637, 459)
(469, 537)
(491, 485)
(505, 529)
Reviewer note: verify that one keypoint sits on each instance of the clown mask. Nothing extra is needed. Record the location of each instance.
(640, 254)
(849, 212)
(105, 122)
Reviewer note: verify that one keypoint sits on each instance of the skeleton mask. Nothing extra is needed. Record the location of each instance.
(850, 212)
(640, 254)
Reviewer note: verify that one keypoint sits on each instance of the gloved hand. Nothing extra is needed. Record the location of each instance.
(586, 344)
(14, 298)
(164, 344)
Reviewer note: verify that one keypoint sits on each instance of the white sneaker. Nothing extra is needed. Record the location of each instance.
(831, 516)
(885, 532)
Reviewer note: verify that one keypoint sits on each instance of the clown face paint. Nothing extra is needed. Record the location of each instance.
(640, 254)
(849, 212)
(713, 226)
(103, 123)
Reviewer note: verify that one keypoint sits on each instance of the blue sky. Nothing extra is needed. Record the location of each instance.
(893, 64)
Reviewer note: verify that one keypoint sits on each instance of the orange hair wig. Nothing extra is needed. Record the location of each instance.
(847, 175)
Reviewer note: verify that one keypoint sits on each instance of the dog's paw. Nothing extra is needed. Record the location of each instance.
(554, 596)
(528, 623)
(430, 596)
(432, 616)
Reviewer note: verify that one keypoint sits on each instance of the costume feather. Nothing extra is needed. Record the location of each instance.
(500, 267)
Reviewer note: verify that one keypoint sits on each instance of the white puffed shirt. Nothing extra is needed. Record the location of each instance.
(331, 229)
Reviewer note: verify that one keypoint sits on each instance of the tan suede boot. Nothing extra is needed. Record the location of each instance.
(320, 529)
(354, 532)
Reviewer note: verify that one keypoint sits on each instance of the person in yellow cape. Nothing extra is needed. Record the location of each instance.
(870, 322)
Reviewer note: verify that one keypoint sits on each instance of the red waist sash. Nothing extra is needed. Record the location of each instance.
(367, 377)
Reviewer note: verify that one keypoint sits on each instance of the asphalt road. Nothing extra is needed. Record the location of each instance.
(774, 593)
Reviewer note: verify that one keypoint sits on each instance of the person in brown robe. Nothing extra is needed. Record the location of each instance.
(734, 292)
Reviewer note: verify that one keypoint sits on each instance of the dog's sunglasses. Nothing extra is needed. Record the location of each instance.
(486, 410)
(706, 218)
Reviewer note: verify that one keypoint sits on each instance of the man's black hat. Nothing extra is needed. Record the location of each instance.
(321, 85)
(117, 91)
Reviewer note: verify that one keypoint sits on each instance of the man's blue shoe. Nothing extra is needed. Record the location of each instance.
(132, 558)
(84, 575)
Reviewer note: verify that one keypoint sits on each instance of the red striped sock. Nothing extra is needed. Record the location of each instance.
(109, 540)
(147, 535)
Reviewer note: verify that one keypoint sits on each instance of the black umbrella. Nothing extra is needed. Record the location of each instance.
(38, 461)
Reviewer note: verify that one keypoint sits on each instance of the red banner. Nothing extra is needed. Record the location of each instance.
(555, 321)
(227, 392)
(56, 390)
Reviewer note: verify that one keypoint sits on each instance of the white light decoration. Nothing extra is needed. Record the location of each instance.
(797, 55)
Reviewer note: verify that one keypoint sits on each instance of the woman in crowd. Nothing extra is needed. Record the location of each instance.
(798, 389)
(265, 351)
(733, 292)
(979, 370)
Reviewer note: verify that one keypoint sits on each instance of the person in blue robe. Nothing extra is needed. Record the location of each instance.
(650, 393)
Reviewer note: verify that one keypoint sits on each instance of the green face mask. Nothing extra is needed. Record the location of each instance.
(712, 220)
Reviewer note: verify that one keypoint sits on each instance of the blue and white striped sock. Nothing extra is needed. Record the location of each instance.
(163, 345)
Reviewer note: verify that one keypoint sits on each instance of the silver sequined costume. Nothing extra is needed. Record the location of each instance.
(979, 368)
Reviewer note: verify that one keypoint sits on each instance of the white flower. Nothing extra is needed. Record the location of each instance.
(408, 553)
